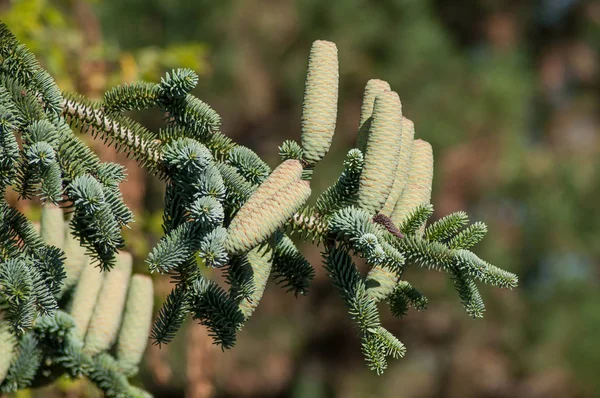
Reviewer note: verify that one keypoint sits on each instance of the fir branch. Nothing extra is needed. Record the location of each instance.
(9, 148)
(238, 190)
(173, 249)
(212, 248)
(469, 237)
(446, 227)
(93, 221)
(17, 231)
(416, 218)
(17, 291)
(469, 264)
(207, 212)
(178, 83)
(405, 294)
(469, 294)
(211, 183)
(213, 307)
(391, 345)
(432, 255)
(290, 268)
(198, 118)
(290, 150)
(248, 164)
(126, 134)
(20, 63)
(135, 96)
(24, 365)
(308, 224)
(377, 343)
(239, 276)
(170, 317)
(107, 375)
(344, 192)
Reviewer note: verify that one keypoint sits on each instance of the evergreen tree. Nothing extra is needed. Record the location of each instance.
(224, 208)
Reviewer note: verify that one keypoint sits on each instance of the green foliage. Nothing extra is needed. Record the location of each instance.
(290, 268)
(248, 164)
(290, 150)
(213, 307)
(403, 296)
(224, 208)
(345, 190)
(24, 366)
(447, 226)
(170, 317)
(43, 341)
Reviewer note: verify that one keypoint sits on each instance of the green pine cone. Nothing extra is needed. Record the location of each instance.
(418, 187)
(261, 264)
(8, 342)
(75, 259)
(85, 297)
(52, 225)
(382, 153)
(284, 174)
(319, 109)
(137, 320)
(403, 168)
(106, 319)
(260, 221)
(373, 88)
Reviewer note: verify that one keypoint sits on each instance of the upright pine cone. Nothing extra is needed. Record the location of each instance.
(319, 109)
(268, 208)
(403, 168)
(75, 260)
(137, 319)
(106, 319)
(84, 298)
(373, 88)
(418, 188)
(52, 225)
(382, 153)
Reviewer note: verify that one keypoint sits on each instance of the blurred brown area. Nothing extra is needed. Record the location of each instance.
(507, 92)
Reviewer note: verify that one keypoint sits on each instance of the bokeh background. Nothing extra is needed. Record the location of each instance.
(506, 91)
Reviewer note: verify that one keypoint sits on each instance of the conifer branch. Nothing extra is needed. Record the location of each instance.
(224, 209)
(124, 133)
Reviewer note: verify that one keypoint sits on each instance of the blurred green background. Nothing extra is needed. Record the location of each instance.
(507, 92)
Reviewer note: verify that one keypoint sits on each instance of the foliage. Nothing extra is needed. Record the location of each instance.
(99, 311)
(509, 104)
(223, 209)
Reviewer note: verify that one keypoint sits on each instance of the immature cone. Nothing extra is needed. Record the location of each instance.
(258, 221)
(137, 320)
(319, 109)
(418, 188)
(261, 269)
(403, 168)
(8, 342)
(75, 259)
(382, 153)
(52, 225)
(373, 88)
(85, 297)
(106, 319)
(286, 173)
